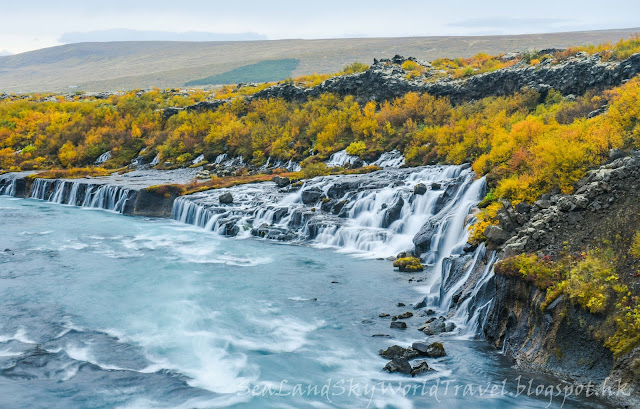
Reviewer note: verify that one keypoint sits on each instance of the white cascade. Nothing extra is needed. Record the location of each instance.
(107, 197)
(8, 186)
(381, 214)
(103, 158)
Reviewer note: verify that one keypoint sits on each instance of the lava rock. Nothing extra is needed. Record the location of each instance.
(398, 325)
(392, 213)
(434, 326)
(421, 304)
(435, 350)
(281, 182)
(420, 368)
(396, 351)
(403, 316)
(311, 195)
(400, 365)
(420, 189)
(226, 198)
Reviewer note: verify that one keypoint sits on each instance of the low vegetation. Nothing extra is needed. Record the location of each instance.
(408, 264)
(590, 280)
(263, 71)
(73, 173)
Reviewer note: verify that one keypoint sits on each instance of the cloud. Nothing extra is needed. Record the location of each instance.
(508, 23)
(137, 35)
(5, 53)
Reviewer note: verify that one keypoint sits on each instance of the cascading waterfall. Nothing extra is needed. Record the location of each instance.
(372, 215)
(107, 197)
(8, 187)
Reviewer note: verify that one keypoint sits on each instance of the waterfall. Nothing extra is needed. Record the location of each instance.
(376, 214)
(341, 158)
(103, 158)
(379, 215)
(8, 186)
(97, 196)
(393, 159)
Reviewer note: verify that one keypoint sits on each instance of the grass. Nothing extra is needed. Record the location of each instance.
(73, 173)
(263, 71)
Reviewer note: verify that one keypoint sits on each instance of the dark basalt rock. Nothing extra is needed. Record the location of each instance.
(403, 316)
(398, 325)
(385, 80)
(400, 365)
(396, 351)
(419, 368)
(420, 189)
(422, 240)
(393, 212)
(311, 195)
(281, 182)
(435, 326)
(226, 198)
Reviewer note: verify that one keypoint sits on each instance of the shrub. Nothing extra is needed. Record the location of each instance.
(313, 170)
(590, 283)
(408, 264)
(356, 148)
(484, 219)
(542, 273)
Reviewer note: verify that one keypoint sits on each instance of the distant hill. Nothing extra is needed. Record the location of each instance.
(130, 65)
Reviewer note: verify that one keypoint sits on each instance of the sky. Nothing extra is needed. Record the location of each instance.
(38, 24)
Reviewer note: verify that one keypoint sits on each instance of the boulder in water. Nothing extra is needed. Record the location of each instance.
(226, 198)
(434, 326)
(393, 212)
(420, 189)
(403, 316)
(400, 365)
(419, 368)
(398, 325)
(311, 195)
(396, 351)
(435, 350)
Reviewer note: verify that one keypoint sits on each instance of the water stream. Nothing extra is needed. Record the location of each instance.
(99, 310)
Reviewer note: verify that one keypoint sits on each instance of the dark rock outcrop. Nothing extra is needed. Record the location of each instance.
(385, 80)
(558, 340)
(151, 204)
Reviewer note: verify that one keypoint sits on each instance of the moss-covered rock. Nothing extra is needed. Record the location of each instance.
(408, 264)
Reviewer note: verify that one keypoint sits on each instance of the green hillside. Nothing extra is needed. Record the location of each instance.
(264, 71)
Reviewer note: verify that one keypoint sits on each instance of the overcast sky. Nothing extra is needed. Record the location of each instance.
(34, 24)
